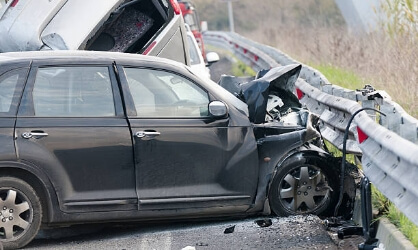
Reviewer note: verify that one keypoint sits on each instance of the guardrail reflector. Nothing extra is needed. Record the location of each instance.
(361, 135)
(299, 93)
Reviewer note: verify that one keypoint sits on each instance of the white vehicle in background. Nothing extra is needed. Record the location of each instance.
(197, 63)
(149, 27)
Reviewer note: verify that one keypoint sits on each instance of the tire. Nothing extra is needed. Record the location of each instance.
(305, 184)
(21, 213)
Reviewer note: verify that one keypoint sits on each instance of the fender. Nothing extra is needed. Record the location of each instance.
(271, 149)
(28, 171)
(273, 153)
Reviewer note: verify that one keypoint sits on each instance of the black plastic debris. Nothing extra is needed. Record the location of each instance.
(229, 230)
(264, 222)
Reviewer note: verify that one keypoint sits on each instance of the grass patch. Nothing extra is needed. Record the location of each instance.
(341, 77)
(241, 69)
(337, 153)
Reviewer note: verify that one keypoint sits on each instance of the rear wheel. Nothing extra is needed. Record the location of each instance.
(20, 213)
(305, 184)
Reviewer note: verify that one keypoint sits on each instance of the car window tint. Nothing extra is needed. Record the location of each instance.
(163, 94)
(73, 92)
(9, 92)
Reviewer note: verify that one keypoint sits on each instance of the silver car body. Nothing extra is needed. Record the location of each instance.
(34, 25)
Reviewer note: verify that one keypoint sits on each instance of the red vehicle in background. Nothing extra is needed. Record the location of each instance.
(191, 18)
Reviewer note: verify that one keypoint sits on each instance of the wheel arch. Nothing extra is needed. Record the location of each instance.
(302, 152)
(311, 156)
(38, 181)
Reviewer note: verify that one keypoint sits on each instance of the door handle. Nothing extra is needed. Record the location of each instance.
(34, 134)
(147, 135)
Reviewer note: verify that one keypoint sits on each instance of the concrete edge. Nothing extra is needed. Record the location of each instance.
(391, 237)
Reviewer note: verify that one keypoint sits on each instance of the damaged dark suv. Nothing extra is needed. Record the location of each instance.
(101, 137)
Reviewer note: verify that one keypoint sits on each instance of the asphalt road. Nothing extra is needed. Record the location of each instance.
(298, 232)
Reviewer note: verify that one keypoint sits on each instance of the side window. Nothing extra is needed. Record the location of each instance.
(10, 90)
(163, 94)
(73, 92)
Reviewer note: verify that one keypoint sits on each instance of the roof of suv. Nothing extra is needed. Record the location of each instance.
(82, 55)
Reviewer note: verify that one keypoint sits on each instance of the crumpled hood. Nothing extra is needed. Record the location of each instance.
(278, 81)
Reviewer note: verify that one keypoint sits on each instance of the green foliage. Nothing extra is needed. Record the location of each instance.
(340, 77)
(337, 153)
(241, 69)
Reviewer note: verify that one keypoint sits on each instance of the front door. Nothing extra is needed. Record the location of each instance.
(185, 158)
(71, 125)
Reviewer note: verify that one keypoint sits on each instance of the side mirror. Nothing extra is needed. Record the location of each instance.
(218, 109)
(212, 57)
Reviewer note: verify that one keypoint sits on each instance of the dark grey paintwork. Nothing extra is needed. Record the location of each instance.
(95, 169)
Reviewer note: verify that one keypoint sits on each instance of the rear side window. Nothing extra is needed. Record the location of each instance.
(10, 90)
(73, 92)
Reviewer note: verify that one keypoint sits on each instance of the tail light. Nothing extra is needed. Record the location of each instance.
(176, 7)
(361, 135)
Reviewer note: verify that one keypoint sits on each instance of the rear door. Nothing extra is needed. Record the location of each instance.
(71, 125)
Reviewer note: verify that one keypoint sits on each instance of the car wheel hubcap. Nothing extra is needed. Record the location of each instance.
(304, 189)
(15, 214)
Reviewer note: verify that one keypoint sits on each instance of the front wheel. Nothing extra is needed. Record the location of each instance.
(20, 213)
(305, 184)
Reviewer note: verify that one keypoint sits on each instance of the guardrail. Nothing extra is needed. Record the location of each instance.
(388, 144)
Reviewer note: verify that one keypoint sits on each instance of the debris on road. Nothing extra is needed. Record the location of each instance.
(264, 222)
(229, 230)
